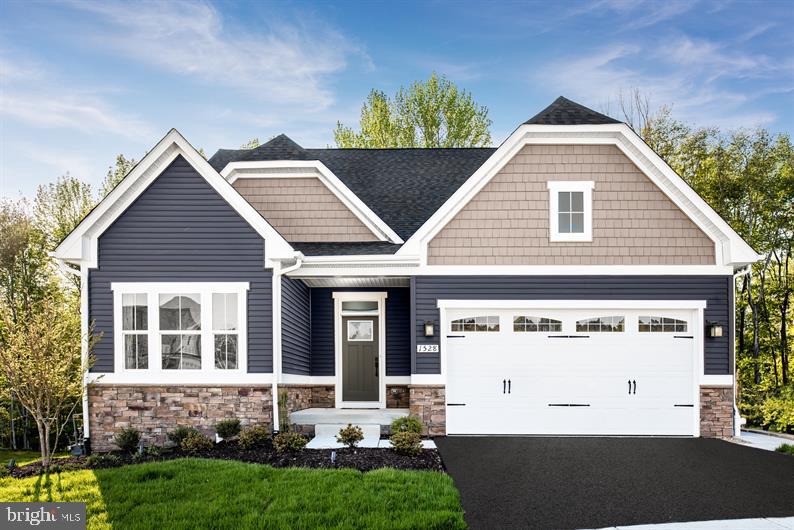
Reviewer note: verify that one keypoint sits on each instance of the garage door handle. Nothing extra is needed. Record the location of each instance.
(504, 386)
(635, 386)
(508, 386)
(629, 386)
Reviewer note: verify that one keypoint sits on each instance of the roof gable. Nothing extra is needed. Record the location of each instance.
(80, 246)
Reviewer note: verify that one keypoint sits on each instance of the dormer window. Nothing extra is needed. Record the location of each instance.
(571, 210)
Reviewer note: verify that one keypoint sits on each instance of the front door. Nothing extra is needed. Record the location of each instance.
(360, 359)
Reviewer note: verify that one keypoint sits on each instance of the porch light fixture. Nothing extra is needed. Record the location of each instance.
(715, 329)
(429, 331)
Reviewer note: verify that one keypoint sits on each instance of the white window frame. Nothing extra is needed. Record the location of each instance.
(205, 291)
(132, 332)
(586, 188)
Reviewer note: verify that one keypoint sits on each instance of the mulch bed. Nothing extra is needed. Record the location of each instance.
(362, 459)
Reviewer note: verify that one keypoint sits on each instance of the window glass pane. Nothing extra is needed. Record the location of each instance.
(224, 311)
(136, 351)
(180, 312)
(601, 324)
(577, 223)
(226, 352)
(564, 198)
(577, 201)
(661, 324)
(359, 306)
(134, 312)
(474, 324)
(181, 352)
(564, 223)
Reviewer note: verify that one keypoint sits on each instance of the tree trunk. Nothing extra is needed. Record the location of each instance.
(13, 426)
(756, 345)
(784, 325)
(42, 446)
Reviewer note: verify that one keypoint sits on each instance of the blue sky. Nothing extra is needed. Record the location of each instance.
(83, 81)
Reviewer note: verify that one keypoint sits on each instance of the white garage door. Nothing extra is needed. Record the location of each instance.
(571, 372)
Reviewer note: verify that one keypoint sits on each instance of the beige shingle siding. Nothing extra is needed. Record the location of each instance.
(303, 210)
(634, 222)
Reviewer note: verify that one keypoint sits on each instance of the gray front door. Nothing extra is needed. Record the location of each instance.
(360, 359)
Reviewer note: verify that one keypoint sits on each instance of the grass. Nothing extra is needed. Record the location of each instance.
(786, 448)
(196, 493)
(21, 457)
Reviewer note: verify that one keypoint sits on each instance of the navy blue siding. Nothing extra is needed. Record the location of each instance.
(296, 344)
(716, 290)
(181, 230)
(398, 330)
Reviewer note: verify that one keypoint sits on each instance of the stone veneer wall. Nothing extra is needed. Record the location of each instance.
(716, 411)
(156, 410)
(427, 402)
(301, 397)
(397, 397)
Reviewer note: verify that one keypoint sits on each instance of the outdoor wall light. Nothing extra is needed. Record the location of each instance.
(429, 331)
(715, 329)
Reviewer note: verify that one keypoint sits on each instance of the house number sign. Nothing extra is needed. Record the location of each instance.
(427, 348)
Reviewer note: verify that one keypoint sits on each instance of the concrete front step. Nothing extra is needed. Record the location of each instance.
(325, 436)
(305, 420)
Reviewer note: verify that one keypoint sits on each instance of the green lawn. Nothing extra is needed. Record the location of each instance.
(22, 457)
(195, 493)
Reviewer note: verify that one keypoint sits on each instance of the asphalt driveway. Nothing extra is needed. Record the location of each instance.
(511, 482)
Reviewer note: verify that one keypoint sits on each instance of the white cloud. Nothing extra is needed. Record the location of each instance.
(283, 63)
(60, 109)
(697, 77)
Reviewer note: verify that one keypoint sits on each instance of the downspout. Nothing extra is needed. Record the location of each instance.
(738, 421)
(278, 272)
(83, 275)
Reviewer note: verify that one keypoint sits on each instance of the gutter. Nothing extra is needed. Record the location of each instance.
(278, 272)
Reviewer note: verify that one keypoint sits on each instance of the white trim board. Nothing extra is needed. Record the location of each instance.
(313, 168)
(730, 248)
(571, 304)
(80, 246)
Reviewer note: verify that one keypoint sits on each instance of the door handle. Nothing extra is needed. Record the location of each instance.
(504, 386)
(635, 386)
(629, 386)
(376, 368)
(508, 386)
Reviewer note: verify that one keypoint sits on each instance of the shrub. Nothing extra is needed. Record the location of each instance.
(289, 442)
(350, 435)
(407, 424)
(196, 442)
(778, 410)
(128, 439)
(102, 460)
(4, 471)
(254, 435)
(12, 464)
(406, 443)
(227, 429)
(786, 448)
(153, 450)
(179, 434)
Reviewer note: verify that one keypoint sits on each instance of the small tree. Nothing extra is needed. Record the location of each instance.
(40, 358)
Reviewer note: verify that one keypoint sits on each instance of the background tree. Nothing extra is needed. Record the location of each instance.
(253, 143)
(116, 173)
(432, 113)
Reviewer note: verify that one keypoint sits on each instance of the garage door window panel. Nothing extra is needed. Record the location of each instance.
(536, 324)
(655, 324)
(476, 324)
(610, 324)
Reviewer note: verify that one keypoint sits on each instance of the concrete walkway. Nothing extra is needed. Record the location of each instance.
(768, 442)
(769, 523)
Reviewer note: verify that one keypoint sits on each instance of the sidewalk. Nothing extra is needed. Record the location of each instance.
(770, 523)
(762, 440)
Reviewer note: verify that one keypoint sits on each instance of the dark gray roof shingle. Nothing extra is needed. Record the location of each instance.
(347, 249)
(566, 112)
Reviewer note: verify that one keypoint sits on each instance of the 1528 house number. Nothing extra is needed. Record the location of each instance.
(427, 348)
